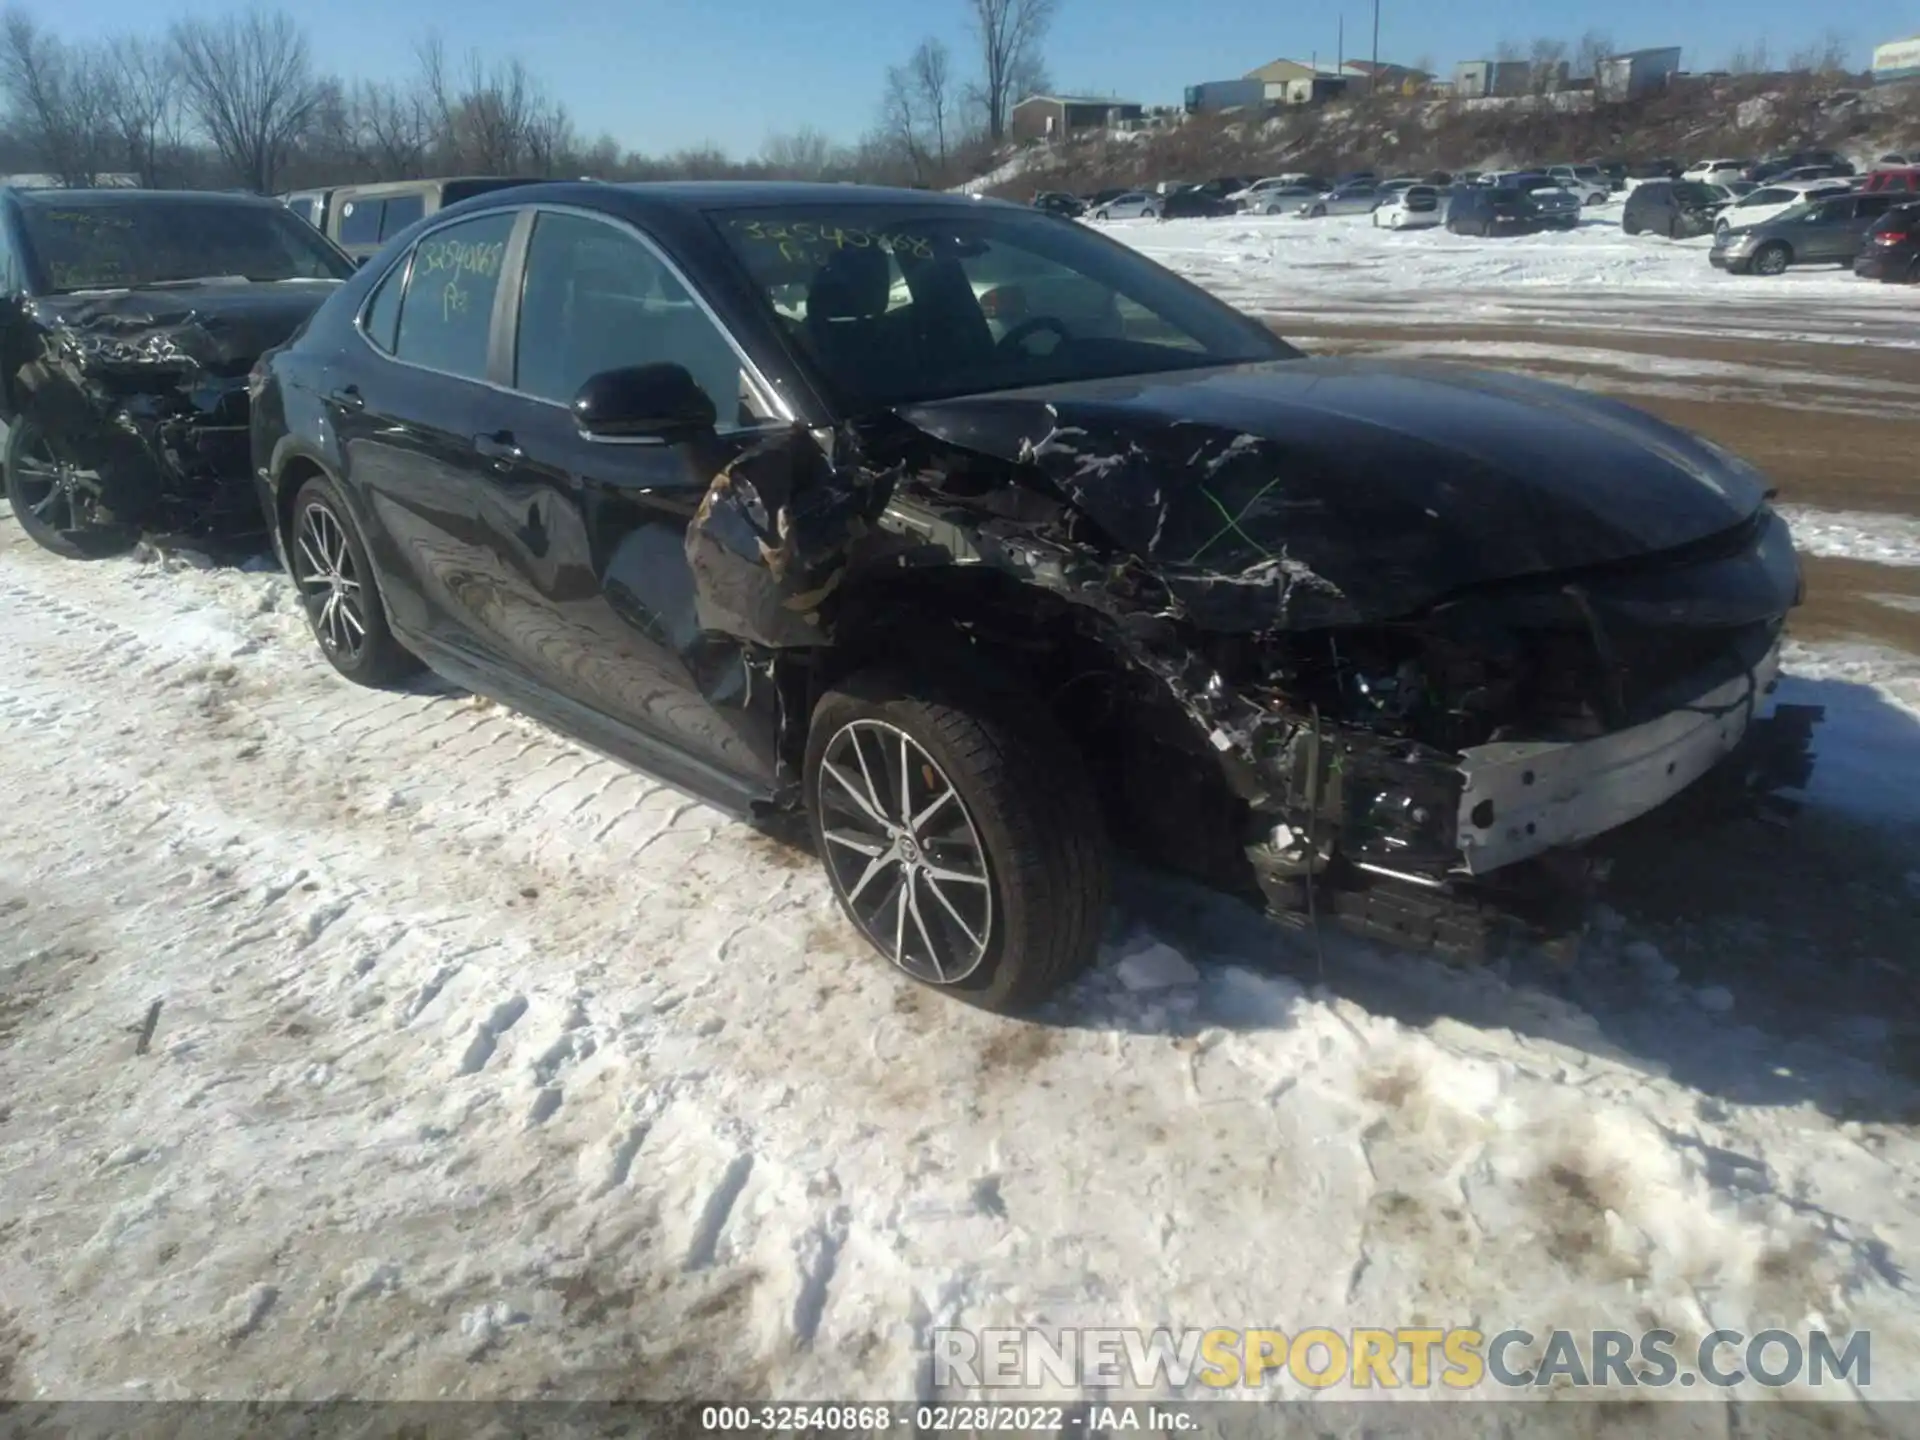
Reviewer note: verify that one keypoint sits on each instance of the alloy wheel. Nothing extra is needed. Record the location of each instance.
(46, 484)
(323, 569)
(903, 852)
(1772, 260)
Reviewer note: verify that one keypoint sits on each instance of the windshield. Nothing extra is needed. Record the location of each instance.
(159, 241)
(900, 303)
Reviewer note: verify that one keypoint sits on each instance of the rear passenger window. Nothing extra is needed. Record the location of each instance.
(447, 316)
(360, 222)
(400, 211)
(596, 298)
(383, 315)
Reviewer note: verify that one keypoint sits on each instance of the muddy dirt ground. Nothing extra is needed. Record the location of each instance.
(1835, 425)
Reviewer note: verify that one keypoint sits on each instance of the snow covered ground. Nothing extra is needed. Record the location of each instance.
(1595, 277)
(388, 1044)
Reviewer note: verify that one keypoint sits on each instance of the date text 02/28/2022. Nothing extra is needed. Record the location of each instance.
(947, 1419)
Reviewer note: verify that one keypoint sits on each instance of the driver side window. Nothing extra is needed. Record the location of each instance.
(596, 298)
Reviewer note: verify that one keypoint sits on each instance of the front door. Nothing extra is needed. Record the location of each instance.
(588, 536)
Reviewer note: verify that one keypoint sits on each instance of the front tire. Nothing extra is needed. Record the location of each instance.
(1318, 212)
(339, 592)
(1772, 258)
(43, 491)
(960, 833)
(1101, 215)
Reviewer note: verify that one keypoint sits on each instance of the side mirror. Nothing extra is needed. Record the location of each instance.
(650, 401)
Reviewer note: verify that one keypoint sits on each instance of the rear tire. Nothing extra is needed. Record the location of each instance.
(1007, 879)
(40, 488)
(339, 591)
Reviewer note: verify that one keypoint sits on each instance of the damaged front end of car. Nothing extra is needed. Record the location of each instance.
(1418, 741)
(142, 399)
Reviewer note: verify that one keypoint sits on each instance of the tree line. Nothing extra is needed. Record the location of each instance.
(238, 101)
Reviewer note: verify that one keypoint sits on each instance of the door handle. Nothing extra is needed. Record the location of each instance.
(348, 397)
(500, 446)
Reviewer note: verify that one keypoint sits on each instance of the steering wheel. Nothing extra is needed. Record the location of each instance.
(1013, 338)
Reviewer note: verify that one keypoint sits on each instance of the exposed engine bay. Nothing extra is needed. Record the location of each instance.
(141, 396)
(1423, 757)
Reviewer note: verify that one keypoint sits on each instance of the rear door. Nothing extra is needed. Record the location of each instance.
(587, 537)
(1869, 211)
(407, 424)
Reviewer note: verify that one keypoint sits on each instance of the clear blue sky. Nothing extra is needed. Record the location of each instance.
(660, 76)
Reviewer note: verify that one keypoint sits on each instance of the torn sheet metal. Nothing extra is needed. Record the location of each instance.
(1316, 493)
(770, 543)
(146, 390)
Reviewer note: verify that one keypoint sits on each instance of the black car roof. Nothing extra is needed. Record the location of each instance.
(70, 199)
(694, 195)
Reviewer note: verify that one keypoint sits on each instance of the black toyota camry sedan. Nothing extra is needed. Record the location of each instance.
(981, 542)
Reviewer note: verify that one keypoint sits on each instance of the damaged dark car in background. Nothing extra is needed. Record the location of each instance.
(130, 322)
(981, 543)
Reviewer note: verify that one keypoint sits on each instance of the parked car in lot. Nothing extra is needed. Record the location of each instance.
(362, 218)
(1826, 230)
(1196, 203)
(1714, 171)
(1614, 170)
(1489, 210)
(1417, 207)
(1664, 168)
(1354, 197)
(1673, 208)
(1056, 202)
(1892, 248)
(1281, 200)
(1771, 200)
(309, 205)
(1777, 167)
(124, 350)
(1893, 177)
(1130, 205)
(1584, 181)
(831, 557)
(1104, 197)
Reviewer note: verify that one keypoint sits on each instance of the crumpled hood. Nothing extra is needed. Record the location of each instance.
(1317, 492)
(222, 328)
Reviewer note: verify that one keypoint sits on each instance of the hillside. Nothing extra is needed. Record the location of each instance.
(1748, 115)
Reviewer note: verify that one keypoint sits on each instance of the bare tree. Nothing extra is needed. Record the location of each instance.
(1011, 33)
(1507, 50)
(1544, 62)
(143, 102)
(249, 83)
(802, 155)
(900, 119)
(1826, 57)
(1593, 48)
(391, 129)
(932, 71)
(59, 98)
(494, 119)
(1752, 59)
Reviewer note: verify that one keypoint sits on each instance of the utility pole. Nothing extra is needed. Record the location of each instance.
(1374, 79)
(1340, 55)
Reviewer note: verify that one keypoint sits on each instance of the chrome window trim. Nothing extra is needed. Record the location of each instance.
(763, 392)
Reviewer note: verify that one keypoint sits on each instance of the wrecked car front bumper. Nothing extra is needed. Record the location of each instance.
(1521, 799)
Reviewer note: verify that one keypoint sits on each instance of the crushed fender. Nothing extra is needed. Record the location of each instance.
(144, 394)
(771, 541)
